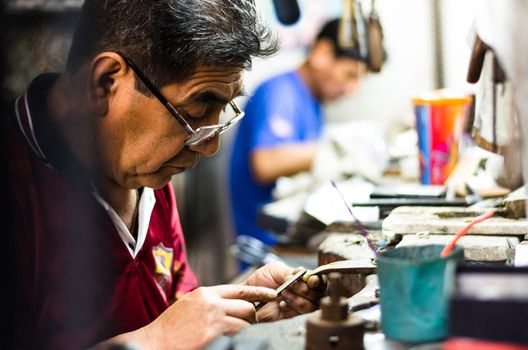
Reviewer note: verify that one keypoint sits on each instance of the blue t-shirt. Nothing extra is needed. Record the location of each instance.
(281, 111)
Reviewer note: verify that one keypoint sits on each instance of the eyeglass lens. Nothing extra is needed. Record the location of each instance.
(205, 133)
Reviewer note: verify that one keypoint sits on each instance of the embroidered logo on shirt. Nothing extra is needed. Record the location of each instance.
(280, 126)
(163, 256)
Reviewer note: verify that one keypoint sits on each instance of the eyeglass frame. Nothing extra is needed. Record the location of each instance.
(195, 136)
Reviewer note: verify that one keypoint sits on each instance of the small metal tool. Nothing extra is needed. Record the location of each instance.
(363, 266)
(282, 287)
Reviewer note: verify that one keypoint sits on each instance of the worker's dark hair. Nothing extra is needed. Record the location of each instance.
(330, 31)
(168, 39)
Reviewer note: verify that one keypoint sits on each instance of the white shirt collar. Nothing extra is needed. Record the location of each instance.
(146, 206)
(146, 201)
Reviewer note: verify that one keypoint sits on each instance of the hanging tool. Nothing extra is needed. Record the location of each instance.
(376, 54)
(361, 26)
(348, 32)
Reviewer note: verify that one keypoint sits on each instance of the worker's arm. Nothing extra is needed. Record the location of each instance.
(268, 164)
(197, 318)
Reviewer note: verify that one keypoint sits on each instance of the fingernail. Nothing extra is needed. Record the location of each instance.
(286, 295)
(271, 293)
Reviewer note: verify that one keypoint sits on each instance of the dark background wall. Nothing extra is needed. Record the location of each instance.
(37, 38)
(6, 294)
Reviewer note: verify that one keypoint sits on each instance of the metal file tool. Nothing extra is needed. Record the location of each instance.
(283, 286)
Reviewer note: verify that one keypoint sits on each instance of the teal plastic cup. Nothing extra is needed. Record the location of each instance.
(413, 293)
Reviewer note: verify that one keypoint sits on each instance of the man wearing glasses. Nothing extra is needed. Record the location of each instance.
(97, 243)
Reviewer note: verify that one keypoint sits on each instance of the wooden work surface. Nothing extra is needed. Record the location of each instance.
(348, 246)
(448, 220)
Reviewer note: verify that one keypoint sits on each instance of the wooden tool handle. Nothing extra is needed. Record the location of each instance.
(476, 60)
(375, 47)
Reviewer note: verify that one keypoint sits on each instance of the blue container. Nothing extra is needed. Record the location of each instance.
(412, 292)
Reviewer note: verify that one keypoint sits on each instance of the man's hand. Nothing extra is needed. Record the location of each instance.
(198, 318)
(299, 298)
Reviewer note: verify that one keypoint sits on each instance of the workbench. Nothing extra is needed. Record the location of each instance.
(290, 333)
(491, 242)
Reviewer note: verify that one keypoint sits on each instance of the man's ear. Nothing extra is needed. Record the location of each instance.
(322, 54)
(106, 73)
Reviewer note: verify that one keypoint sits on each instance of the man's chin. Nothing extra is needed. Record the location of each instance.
(334, 98)
(154, 180)
(157, 181)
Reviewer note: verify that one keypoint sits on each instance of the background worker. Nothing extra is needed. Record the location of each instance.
(279, 134)
(95, 236)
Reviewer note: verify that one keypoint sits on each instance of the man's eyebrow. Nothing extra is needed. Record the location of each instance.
(212, 97)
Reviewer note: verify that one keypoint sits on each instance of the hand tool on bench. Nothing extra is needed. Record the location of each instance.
(283, 287)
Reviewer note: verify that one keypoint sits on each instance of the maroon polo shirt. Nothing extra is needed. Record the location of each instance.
(77, 282)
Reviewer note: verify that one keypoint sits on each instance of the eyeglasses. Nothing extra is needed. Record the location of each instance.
(195, 136)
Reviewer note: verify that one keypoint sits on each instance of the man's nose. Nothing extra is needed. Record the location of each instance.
(207, 148)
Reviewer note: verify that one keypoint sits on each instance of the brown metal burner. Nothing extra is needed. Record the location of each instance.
(334, 328)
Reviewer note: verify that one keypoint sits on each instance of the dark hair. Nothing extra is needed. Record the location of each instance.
(168, 39)
(330, 31)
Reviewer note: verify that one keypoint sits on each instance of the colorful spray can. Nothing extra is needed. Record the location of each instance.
(440, 119)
